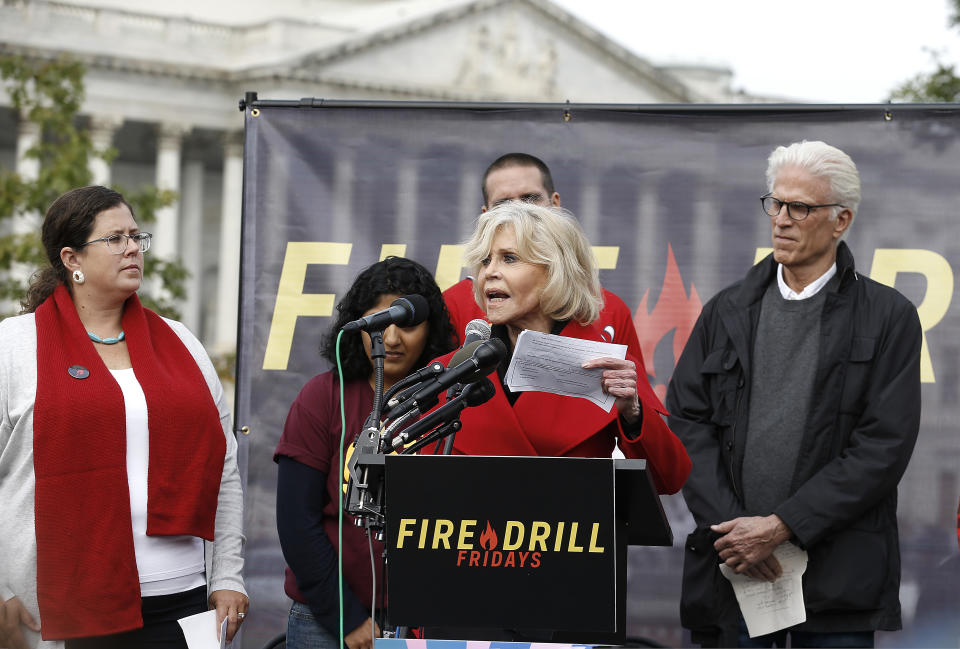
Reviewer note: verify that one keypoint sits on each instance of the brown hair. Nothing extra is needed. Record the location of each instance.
(68, 223)
(518, 160)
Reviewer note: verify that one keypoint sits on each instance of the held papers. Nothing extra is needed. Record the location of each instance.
(548, 363)
(771, 606)
(200, 631)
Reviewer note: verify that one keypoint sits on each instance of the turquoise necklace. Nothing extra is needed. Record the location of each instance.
(106, 341)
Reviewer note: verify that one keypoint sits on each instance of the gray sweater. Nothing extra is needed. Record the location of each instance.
(18, 543)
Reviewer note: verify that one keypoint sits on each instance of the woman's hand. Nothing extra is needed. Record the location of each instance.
(13, 614)
(360, 638)
(231, 605)
(619, 379)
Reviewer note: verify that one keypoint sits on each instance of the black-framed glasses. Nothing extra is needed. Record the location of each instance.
(117, 243)
(795, 209)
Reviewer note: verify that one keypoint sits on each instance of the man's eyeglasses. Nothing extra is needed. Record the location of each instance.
(795, 209)
(117, 243)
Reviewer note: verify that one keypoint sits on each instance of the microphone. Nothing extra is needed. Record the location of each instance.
(405, 311)
(410, 384)
(478, 329)
(473, 395)
(470, 364)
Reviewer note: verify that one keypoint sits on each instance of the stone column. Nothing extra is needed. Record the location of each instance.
(102, 130)
(166, 230)
(191, 250)
(228, 274)
(28, 134)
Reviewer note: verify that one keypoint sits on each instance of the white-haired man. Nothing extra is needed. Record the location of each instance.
(798, 399)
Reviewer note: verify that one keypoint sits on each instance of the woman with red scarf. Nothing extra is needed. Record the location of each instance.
(119, 490)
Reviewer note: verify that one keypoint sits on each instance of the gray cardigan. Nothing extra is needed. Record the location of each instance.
(18, 543)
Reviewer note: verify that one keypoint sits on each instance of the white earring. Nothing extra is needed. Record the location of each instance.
(78, 276)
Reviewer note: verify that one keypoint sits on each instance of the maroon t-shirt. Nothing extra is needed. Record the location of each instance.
(311, 436)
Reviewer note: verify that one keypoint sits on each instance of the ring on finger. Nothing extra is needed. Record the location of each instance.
(241, 615)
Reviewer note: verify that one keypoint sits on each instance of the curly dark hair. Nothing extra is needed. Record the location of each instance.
(393, 275)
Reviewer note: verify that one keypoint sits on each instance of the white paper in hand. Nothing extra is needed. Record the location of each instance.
(200, 630)
(548, 363)
(770, 606)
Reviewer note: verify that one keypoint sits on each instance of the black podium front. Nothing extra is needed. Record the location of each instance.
(522, 543)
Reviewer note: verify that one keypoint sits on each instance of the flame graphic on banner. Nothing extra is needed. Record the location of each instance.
(675, 310)
(488, 539)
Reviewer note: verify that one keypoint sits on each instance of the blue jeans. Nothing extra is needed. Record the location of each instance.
(304, 632)
(806, 638)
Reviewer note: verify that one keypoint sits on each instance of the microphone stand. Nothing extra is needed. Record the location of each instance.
(365, 494)
(448, 438)
(377, 353)
(447, 430)
(365, 488)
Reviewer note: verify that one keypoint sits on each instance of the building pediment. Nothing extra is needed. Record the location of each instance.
(518, 50)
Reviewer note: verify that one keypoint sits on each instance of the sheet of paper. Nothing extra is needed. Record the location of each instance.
(771, 606)
(548, 363)
(200, 630)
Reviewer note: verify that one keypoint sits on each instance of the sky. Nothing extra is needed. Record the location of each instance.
(830, 51)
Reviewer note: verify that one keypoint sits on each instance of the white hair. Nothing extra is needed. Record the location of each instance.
(824, 161)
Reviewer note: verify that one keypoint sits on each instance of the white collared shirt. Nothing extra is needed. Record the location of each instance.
(809, 290)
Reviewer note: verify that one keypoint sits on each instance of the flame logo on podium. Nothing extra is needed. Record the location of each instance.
(488, 539)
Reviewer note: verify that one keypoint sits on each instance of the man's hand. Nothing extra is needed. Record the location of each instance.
(748, 543)
(12, 615)
(768, 570)
(231, 605)
(360, 638)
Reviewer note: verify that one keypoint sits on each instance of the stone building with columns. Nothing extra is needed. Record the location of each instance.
(163, 82)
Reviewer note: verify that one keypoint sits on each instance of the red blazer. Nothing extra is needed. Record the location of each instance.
(545, 424)
(615, 321)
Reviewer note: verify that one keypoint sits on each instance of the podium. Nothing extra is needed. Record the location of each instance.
(535, 545)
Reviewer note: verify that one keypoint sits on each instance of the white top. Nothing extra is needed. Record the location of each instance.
(809, 290)
(167, 564)
(18, 543)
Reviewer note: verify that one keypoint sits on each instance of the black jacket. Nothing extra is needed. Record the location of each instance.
(860, 433)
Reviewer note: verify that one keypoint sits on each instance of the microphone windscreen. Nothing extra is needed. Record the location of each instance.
(416, 306)
(464, 353)
(494, 351)
(477, 329)
(480, 392)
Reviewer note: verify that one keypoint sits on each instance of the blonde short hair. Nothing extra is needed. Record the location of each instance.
(549, 237)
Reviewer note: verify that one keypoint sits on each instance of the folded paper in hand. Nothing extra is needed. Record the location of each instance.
(770, 606)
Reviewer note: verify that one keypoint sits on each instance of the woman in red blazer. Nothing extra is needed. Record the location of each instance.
(535, 270)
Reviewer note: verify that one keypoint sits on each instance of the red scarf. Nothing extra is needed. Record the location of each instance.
(87, 580)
